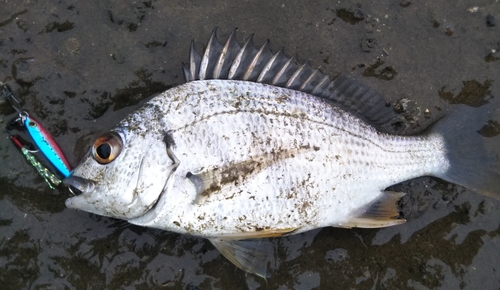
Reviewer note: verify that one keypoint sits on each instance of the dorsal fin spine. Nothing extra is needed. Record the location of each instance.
(235, 62)
(234, 71)
(220, 61)
(230, 49)
(291, 80)
(271, 63)
(321, 86)
(186, 72)
(206, 54)
(210, 57)
(194, 60)
(309, 80)
(258, 59)
(281, 73)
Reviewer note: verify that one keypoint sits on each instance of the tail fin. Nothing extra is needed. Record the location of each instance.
(470, 165)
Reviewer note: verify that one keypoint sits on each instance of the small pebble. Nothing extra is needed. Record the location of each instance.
(490, 21)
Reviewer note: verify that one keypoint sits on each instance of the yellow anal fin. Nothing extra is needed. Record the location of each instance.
(260, 234)
(371, 223)
(384, 212)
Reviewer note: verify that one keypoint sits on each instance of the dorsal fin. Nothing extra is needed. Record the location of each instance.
(236, 62)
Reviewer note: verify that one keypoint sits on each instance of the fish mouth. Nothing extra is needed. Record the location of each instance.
(79, 185)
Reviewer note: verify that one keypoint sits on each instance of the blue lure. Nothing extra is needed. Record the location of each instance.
(47, 145)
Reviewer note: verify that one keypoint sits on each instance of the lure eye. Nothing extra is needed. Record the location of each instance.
(107, 147)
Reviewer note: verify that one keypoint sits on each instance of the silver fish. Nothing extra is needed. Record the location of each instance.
(255, 145)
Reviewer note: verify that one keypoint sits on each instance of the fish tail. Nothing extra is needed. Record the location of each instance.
(469, 163)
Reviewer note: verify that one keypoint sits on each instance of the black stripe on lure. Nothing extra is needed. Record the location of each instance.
(40, 137)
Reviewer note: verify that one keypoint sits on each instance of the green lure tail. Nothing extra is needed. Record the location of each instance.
(51, 179)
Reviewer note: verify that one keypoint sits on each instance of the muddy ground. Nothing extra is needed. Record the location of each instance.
(80, 66)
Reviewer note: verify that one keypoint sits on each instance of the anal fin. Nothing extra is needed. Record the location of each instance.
(260, 234)
(384, 212)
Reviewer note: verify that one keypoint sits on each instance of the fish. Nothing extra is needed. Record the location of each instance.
(257, 145)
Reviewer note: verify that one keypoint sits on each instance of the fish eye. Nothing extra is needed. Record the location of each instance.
(107, 147)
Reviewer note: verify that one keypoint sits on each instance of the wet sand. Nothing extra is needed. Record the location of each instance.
(80, 67)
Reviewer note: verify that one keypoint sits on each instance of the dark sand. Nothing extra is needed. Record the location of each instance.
(80, 66)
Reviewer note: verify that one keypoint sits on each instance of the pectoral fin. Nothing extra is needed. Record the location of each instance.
(384, 212)
(205, 182)
(249, 255)
(250, 251)
(210, 181)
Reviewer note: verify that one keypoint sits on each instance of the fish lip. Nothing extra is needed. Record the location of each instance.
(82, 185)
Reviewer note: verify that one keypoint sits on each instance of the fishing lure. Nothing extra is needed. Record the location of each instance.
(39, 135)
(51, 179)
(46, 144)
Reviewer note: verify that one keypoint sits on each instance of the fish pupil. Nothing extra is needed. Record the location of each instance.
(104, 151)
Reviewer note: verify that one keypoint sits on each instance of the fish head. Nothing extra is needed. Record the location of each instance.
(122, 175)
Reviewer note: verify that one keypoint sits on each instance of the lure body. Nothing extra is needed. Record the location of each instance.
(47, 145)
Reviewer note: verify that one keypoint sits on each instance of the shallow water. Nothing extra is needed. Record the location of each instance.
(81, 66)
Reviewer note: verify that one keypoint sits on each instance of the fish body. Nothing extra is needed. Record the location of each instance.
(271, 158)
(255, 146)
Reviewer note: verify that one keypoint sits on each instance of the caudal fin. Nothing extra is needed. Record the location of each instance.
(470, 165)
